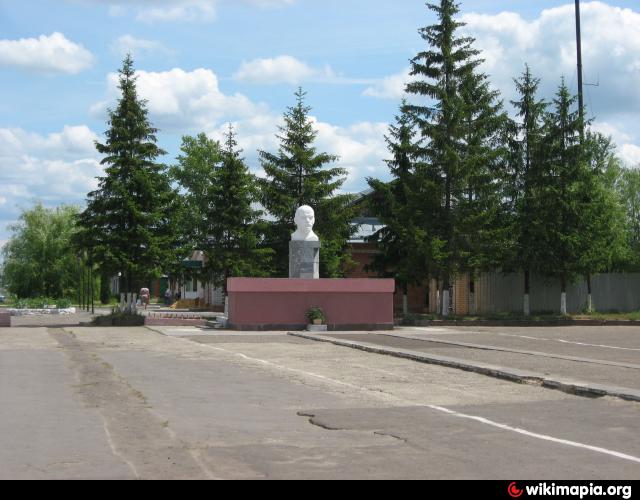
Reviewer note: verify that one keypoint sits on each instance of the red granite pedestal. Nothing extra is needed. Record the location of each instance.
(282, 304)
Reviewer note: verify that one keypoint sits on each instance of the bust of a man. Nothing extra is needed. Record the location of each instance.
(305, 219)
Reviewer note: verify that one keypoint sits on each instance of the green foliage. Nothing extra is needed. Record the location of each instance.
(128, 225)
(39, 259)
(42, 303)
(406, 251)
(462, 124)
(315, 313)
(219, 193)
(627, 186)
(295, 176)
(234, 237)
(572, 222)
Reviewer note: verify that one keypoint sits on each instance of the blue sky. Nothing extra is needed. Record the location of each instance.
(204, 63)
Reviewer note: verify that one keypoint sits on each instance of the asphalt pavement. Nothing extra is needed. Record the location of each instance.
(136, 403)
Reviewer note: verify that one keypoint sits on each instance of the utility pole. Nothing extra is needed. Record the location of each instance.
(582, 118)
(580, 82)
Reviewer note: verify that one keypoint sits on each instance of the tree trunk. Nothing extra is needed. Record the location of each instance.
(563, 296)
(405, 300)
(472, 296)
(527, 293)
(589, 295)
(446, 298)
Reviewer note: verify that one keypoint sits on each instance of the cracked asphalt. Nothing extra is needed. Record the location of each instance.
(182, 403)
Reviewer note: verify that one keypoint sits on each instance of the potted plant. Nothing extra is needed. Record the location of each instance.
(316, 316)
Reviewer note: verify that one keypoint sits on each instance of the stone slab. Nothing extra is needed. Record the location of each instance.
(304, 260)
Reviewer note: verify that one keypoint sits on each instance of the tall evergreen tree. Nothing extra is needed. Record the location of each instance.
(459, 123)
(298, 175)
(403, 242)
(528, 139)
(128, 221)
(235, 234)
(563, 201)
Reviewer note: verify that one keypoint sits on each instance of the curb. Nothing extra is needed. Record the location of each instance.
(482, 347)
(574, 387)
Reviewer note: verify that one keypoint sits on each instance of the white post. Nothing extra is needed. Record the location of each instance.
(563, 304)
(527, 305)
(438, 303)
(405, 305)
(445, 303)
(590, 303)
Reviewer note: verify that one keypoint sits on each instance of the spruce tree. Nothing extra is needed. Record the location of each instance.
(528, 136)
(562, 198)
(460, 123)
(234, 238)
(403, 242)
(298, 175)
(128, 220)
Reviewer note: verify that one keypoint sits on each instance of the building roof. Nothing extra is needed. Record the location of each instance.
(367, 227)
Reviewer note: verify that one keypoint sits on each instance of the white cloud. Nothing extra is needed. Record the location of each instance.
(361, 147)
(281, 69)
(129, 44)
(57, 168)
(630, 154)
(45, 54)
(151, 11)
(611, 51)
(184, 101)
(392, 87)
(191, 101)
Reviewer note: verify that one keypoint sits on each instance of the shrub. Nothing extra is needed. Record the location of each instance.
(315, 313)
(119, 320)
(63, 303)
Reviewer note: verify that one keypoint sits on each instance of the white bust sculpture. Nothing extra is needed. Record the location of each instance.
(305, 219)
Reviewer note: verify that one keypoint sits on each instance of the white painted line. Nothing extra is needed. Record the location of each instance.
(568, 342)
(535, 435)
(440, 409)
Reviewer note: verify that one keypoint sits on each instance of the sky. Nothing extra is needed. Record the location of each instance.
(202, 64)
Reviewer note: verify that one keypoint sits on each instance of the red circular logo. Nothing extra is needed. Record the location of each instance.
(514, 491)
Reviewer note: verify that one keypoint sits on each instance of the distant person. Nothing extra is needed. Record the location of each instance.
(145, 297)
(167, 297)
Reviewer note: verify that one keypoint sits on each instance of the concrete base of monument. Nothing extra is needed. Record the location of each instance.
(282, 304)
(5, 319)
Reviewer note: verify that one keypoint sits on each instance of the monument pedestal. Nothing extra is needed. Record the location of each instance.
(282, 304)
(304, 260)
